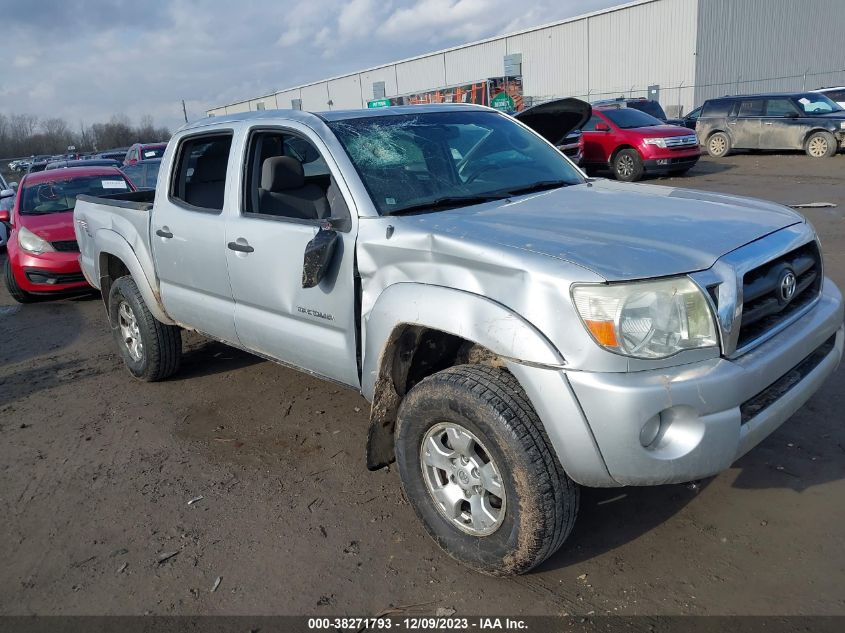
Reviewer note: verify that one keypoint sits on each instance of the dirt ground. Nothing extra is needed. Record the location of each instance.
(97, 471)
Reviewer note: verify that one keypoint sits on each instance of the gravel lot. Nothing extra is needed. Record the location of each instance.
(96, 472)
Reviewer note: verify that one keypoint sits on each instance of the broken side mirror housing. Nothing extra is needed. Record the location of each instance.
(318, 255)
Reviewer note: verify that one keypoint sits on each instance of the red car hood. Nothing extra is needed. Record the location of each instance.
(52, 227)
(661, 131)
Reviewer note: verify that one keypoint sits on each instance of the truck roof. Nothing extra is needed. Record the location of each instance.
(331, 115)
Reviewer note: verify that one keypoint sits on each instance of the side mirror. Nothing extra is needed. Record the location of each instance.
(5, 216)
(602, 127)
(318, 256)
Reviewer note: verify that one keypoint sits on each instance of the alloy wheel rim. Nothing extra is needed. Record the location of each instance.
(626, 165)
(129, 331)
(818, 147)
(717, 145)
(462, 479)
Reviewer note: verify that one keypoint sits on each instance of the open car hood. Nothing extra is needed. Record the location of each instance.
(554, 120)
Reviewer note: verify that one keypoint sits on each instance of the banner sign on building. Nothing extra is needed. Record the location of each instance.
(502, 93)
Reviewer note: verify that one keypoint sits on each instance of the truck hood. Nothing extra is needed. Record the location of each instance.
(619, 231)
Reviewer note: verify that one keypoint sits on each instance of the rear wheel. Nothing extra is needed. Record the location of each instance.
(719, 145)
(627, 165)
(21, 296)
(820, 145)
(480, 473)
(151, 350)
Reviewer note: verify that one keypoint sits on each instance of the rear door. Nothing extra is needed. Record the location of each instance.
(277, 214)
(745, 122)
(188, 235)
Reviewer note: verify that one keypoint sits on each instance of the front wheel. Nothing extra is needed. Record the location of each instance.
(151, 350)
(21, 296)
(627, 165)
(479, 470)
(820, 145)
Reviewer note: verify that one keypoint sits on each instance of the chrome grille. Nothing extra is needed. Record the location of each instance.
(677, 141)
(778, 289)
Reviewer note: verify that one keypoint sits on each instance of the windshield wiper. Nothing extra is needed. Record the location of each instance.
(542, 185)
(449, 202)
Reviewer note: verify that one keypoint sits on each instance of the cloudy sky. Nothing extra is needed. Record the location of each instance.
(85, 60)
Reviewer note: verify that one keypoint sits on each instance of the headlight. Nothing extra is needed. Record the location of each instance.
(660, 142)
(31, 243)
(650, 319)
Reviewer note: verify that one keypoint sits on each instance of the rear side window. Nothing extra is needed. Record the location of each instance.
(751, 107)
(836, 95)
(199, 178)
(717, 107)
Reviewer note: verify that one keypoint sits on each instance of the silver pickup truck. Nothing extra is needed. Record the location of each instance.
(520, 330)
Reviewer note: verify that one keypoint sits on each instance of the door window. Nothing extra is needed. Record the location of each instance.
(780, 108)
(200, 175)
(287, 178)
(590, 125)
(751, 107)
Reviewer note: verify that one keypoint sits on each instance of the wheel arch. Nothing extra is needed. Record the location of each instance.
(408, 335)
(115, 259)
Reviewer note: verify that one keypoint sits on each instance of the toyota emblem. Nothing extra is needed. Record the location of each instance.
(786, 288)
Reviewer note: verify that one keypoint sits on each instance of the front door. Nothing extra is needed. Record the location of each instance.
(290, 192)
(188, 234)
(782, 126)
(745, 123)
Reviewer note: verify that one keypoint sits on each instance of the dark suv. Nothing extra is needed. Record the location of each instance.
(808, 121)
(639, 103)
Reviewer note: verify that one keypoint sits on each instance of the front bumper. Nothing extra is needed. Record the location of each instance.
(711, 412)
(670, 163)
(47, 273)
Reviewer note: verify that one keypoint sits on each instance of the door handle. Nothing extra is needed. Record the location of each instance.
(241, 248)
(164, 233)
(768, 122)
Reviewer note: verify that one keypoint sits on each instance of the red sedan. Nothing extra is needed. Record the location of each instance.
(42, 253)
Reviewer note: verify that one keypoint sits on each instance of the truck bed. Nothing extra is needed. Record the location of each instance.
(114, 222)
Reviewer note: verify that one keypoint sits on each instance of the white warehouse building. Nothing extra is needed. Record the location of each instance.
(679, 52)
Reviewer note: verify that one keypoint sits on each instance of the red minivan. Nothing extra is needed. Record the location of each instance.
(42, 253)
(632, 143)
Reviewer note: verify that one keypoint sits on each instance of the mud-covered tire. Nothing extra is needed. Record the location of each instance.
(541, 501)
(628, 166)
(719, 145)
(820, 145)
(161, 344)
(21, 296)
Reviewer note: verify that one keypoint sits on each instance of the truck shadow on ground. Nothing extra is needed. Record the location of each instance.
(206, 357)
(609, 518)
